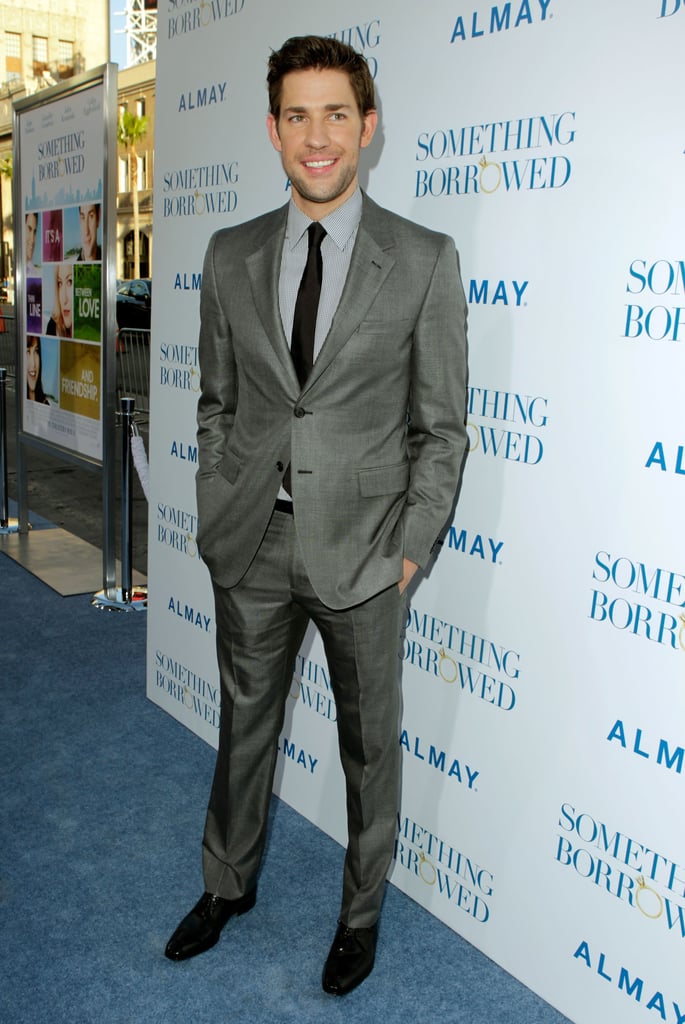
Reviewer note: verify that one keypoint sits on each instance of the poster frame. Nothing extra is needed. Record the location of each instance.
(106, 76)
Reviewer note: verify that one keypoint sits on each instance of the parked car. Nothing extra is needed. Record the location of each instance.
(134, 303)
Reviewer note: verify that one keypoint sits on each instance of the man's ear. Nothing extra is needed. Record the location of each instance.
(272, 128)
(370, 123)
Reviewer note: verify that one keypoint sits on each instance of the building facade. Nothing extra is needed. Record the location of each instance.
(41, 46)
(44, 43)
(41, 43)
(136, 90)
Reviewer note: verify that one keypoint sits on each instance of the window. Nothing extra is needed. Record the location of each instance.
(129, 265)
(65, 58)
(13, 55)
(40, 55)
(13, 44)
(142, 171)
(123, 174)
(40, 49)
(140, 107)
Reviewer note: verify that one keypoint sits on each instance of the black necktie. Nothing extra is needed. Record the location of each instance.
(307, 305)
(304, 320)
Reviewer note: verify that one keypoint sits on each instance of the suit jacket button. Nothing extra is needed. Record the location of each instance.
(299, 412)
(279, 466)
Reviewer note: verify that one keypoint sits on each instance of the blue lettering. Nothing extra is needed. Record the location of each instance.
(618, 733)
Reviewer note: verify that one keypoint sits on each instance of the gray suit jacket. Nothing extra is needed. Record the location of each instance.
(375, 438)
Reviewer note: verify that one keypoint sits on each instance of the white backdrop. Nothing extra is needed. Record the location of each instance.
(544, 656)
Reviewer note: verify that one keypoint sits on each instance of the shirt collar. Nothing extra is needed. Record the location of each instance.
(340, 225)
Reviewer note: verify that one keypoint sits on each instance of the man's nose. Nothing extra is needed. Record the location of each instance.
(317, 134)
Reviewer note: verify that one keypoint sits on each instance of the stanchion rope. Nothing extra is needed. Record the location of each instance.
(140, 460)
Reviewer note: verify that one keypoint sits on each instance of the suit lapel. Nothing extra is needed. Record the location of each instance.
(263, 269)
(370, 265)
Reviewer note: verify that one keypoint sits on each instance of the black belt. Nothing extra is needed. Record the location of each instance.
(284, 506)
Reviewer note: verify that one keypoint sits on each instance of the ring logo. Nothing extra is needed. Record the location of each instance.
(670, 758)
(362, 38)
(438, 759)
(196, 191)
(475, 546)
(187, 282)
(539, 135)
(200, 14)
(506, 407)
(671, 7)
(203, 96)
(176, 529)
(502, 292)
(632, 985)
(617, 864)
(649, 319)
(180, 683)
(454, 655)
(184, 452)
(502, 18)
(178, 367)
(312, 685)
(647, 621)
(187, 613)
(456, 877)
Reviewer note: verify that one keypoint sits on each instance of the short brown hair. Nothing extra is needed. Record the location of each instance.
(304, 52)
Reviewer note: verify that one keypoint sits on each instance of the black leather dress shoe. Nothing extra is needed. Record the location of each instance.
(200, 929)
(350, 959)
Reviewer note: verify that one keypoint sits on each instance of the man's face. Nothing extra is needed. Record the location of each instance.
(319, 134)
(31, 226)
(89, 220)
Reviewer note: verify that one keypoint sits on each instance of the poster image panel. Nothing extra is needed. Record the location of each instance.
(61, 165)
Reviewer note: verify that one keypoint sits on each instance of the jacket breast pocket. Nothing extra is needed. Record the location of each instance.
(384, 480)
(399, 328)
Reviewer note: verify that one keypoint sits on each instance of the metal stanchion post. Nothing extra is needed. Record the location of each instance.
(4, 503)
(127, 410)
(128, 598)
(6, 525)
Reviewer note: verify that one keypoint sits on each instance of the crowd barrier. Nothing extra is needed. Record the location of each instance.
(4, 500)
(133, 368)
(8, 341)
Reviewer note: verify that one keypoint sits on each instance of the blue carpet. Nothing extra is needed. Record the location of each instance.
(103, 800)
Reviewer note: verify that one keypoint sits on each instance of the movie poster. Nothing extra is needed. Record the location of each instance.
(60, 232)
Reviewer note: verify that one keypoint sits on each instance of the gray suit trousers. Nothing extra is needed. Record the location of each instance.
(260, 626)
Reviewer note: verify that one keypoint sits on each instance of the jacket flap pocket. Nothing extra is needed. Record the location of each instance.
(384, 480)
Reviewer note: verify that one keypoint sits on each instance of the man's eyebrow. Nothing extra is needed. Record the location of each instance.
(328, 106)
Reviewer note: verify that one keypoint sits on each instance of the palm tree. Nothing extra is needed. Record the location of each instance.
(130, 131)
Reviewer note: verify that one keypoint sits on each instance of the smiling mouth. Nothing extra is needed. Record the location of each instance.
(317, 164)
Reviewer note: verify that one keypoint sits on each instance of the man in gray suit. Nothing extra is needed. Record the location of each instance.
(331, 437)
